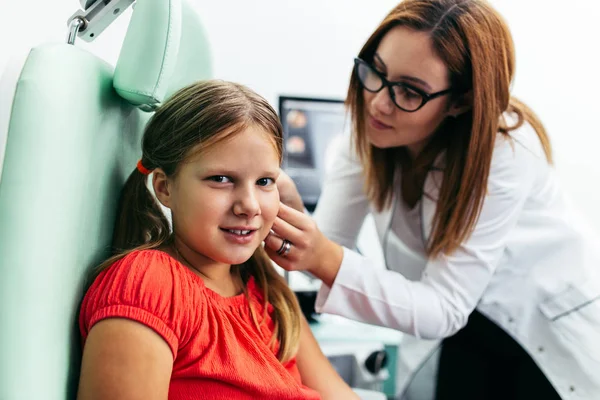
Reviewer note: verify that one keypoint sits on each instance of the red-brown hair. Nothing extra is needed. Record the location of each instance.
(475, 43)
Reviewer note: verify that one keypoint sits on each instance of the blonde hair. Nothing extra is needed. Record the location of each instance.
(475, 43)
(191, 121)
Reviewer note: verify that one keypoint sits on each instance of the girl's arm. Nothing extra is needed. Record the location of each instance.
(316, 370)
(125, 360)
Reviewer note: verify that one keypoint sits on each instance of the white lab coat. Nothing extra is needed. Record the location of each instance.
(531, 265)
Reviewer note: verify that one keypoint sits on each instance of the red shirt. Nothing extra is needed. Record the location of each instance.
(218, 352)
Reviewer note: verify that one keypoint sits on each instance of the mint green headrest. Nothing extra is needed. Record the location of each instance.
(165, 48)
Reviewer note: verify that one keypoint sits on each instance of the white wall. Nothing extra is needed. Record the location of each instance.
(306, 47)
(558, 75)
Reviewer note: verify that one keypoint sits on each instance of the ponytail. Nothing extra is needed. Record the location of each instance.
(140, 223)
(140, 220)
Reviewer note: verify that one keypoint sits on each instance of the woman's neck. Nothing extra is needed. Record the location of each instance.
(414, 169)
(411, 188)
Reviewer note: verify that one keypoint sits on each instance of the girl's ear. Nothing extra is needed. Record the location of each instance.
(161, 185)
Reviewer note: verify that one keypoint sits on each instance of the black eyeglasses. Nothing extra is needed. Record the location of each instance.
(406, 97)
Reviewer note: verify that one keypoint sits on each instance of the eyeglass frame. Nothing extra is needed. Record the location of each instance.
(427, 97)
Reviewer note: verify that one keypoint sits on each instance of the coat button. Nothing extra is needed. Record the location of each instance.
(541, 349)
(511, 320)
(572, 388)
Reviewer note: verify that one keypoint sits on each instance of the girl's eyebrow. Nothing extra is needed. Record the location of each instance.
(229, 172)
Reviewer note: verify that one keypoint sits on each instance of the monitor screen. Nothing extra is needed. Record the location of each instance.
(312, 130)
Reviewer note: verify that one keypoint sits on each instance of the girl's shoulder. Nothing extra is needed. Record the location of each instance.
(148, 286)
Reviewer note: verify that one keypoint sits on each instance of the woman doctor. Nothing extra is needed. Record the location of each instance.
(481, 248)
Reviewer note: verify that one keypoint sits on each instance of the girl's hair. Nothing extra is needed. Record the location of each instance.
(188, 123)
(475, 44)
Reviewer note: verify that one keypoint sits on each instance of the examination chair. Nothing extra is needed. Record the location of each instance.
(70, 130)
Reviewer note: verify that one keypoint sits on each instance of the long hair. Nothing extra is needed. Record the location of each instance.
(190, 122)
(477, 48)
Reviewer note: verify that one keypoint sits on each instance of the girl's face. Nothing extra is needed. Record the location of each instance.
(406, 56)
(224, 200)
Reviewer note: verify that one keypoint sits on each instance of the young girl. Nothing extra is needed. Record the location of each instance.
(199, 312)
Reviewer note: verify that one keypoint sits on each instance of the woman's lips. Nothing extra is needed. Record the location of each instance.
(377, 124)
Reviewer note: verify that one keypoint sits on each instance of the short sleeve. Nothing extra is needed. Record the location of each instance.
(143, 286)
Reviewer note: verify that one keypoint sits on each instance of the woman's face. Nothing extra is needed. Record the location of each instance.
(405, 55)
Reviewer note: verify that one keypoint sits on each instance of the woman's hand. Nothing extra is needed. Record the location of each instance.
(309, 249)
(288, 193)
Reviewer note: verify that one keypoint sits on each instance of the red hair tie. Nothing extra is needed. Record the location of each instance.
(143, 170)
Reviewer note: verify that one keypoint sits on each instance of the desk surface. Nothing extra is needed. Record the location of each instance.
(340, 336)
(329, 328)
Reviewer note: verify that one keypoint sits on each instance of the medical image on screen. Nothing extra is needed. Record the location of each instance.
(298, 143)
(312, 130)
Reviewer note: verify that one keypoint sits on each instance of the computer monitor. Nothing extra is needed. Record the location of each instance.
(312, 130)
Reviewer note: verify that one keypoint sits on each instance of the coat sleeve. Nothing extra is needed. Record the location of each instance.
(439, 304)
(343, 204)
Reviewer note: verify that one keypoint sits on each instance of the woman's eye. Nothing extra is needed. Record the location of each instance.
(408, 93)
(265, 181)
(219, 179)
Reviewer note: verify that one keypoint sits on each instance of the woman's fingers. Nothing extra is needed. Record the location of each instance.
(300, 231)
(288, 231)
(288, 193)
(294, 217)
(273, 244)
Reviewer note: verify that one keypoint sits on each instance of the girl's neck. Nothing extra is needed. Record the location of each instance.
(216, 276)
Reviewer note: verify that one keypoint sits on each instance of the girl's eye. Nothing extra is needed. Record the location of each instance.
(219, 179)
(265, 181)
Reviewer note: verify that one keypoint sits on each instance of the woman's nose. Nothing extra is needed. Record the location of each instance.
(382, 103)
